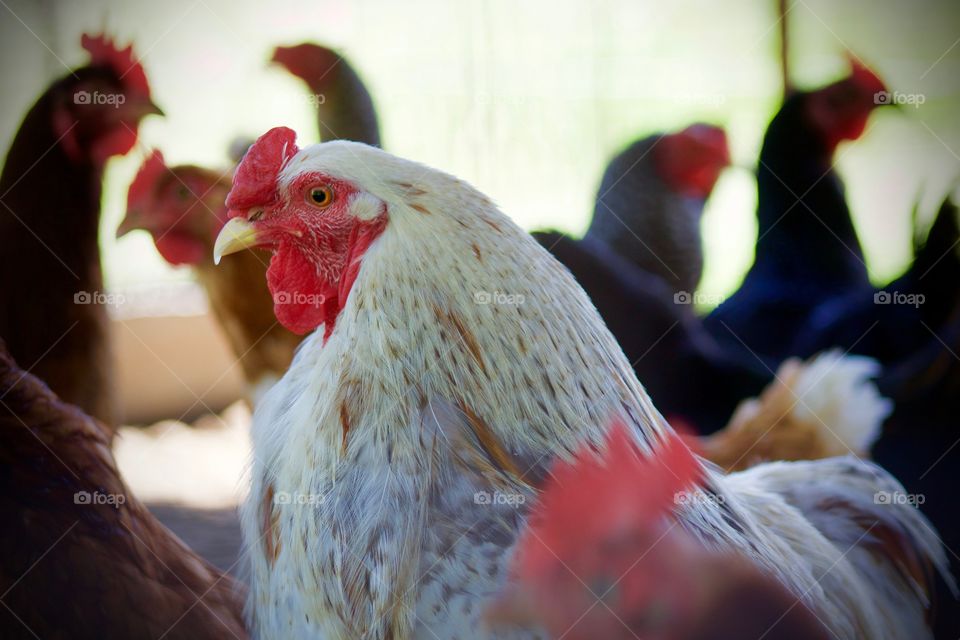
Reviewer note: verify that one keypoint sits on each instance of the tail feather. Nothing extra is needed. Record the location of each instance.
(837, 392)
(874, 523)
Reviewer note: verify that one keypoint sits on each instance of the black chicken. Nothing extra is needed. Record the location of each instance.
(807, 248)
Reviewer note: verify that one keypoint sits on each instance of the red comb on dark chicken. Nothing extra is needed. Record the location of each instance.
(840, 111)
(691, 161)
(104, 52)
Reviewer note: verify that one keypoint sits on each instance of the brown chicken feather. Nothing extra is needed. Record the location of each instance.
(81, 556)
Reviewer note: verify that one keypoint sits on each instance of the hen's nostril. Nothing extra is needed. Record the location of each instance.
(256, 215)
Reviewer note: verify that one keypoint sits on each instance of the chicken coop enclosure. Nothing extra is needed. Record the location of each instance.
(737, 218)
(526, 100)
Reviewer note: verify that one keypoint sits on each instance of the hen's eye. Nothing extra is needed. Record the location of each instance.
(321, 196)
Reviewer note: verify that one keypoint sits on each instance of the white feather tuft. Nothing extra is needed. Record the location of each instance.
(836, 392)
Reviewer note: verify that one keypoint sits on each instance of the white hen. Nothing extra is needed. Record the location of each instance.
(453, 360)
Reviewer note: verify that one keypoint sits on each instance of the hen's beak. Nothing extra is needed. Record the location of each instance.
(148, 107)
(130, 222)
(137, 108)
(236, 235)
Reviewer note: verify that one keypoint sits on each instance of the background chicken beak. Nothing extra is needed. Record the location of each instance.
(150, 108)
(130, 222)
(236, 235)
(137, 108)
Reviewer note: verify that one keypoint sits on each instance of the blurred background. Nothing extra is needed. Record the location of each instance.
(528, 101)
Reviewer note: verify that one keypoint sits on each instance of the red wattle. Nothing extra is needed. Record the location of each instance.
(181, 249)
(301, 300)
(116, 142)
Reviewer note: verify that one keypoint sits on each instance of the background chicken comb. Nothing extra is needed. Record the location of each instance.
(152, 169)
(255, 182)
(105, 53)
(711, 137)
(864, 76)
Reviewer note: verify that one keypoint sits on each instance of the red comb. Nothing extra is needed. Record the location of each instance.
(104, 53)
(864, 76)
(255, 181)
(711, 136)
(143, 184)
(594, 496)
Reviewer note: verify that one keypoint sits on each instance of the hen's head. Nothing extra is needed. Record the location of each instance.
(690, 161)
(99, 106)
(181, 207)
(604, 550)
(840, 110)
(314, 64)
(319, 210)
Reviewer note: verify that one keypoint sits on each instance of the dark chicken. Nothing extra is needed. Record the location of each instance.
(641, 250)
(916, 331)
(81, 556)
(807, 248)
(52, 313)
(895, 321)
(651, 199)
(345, 109)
